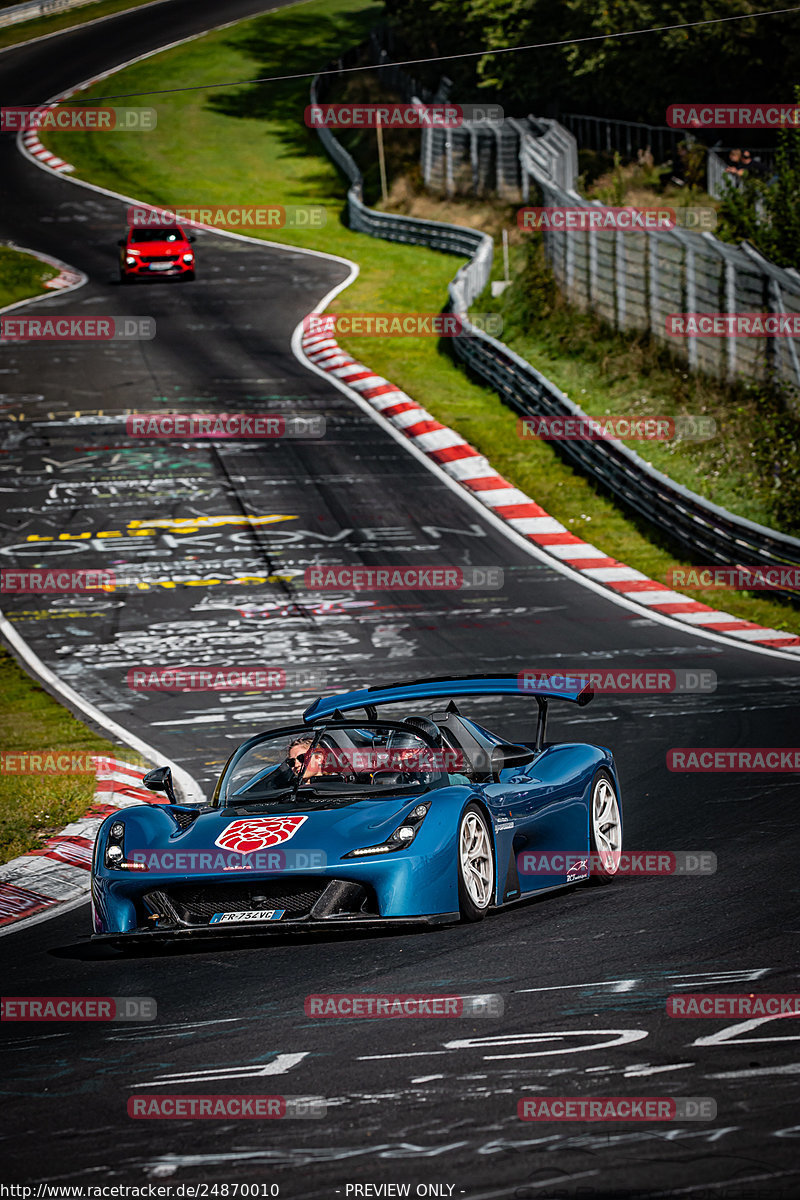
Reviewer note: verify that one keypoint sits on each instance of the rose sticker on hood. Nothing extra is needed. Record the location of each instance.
(258, 833)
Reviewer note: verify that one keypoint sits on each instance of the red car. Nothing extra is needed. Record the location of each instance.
(150, 252)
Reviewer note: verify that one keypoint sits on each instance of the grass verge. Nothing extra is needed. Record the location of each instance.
(248, 145)
(34, 807)
(22, 275)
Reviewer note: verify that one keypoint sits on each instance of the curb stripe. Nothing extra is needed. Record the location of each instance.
(58, 871)
(473, 471)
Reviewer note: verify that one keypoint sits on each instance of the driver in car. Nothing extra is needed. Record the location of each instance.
(303, 761)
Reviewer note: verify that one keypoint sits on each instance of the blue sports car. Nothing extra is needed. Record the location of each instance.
(349, 820)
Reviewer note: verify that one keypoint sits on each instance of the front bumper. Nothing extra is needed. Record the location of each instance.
(146, 270)
(275, 928)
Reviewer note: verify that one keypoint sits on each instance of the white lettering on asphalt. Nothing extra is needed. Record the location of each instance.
(278, 1066)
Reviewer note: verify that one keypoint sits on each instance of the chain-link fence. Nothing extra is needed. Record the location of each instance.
(633, 280)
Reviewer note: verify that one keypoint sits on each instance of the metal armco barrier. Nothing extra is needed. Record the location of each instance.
(38, 8)
(708, 533)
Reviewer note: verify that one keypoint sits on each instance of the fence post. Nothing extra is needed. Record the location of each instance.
(778, 307)
(730, 307)
(652, 283)
(592, 236)
(569, 260)
(426, 154)
(620, 280)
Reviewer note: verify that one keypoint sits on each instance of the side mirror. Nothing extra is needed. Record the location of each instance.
(122, 242)
(160, 780)
(508, 755)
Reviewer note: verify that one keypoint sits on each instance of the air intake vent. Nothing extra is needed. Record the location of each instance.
(184, 818)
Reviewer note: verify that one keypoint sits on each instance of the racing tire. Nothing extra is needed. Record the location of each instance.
(188, 276)
(475, 860)
(605, 829)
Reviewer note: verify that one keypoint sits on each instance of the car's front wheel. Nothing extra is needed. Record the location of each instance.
(475, 864)
(605, 829)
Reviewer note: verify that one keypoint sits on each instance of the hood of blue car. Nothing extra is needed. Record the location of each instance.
(252, 833)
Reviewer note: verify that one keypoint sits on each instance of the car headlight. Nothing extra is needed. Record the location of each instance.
(115, 846)
(130, 261)
(188, 257)
(403, 836)
(114, 857)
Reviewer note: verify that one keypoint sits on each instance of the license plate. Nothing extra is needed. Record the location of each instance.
(254, 914)
(161, 266)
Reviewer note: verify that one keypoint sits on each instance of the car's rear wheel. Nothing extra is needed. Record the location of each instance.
(475, 864)
(605, 829)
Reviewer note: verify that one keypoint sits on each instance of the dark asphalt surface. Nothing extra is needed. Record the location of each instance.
(584, 975)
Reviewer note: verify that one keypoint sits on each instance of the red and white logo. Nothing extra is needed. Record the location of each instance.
(259, 833)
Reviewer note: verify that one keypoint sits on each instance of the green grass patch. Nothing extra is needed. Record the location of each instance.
(34, 807)
(22, 275)
(38, 26)
(247, 144)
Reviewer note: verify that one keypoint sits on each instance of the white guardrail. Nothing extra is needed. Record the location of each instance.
(37, 8)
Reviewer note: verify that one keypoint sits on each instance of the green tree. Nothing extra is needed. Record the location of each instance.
(628, 77)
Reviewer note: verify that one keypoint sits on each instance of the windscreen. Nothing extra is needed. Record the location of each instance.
(373, 761)
(165, 233)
